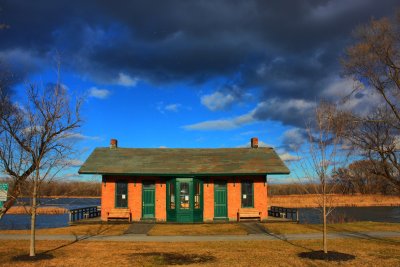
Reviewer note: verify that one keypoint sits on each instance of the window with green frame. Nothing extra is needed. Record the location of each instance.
(247, 194)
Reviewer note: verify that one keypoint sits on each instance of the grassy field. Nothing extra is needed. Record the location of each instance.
(252, 253)
(367, 251)
(93, 229)
(312, 201)
(294, 228)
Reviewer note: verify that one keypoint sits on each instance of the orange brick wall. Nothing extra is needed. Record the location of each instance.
(161, 200)
(234, 201)
(107, 196)
(260, 196)
(135, 196)
(208, 200)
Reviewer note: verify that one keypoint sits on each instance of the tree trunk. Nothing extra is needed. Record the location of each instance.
(324, 238)
(15, 191)
(32, 251)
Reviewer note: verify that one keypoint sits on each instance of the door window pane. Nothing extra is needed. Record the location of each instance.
(172, 196)
(184, 196)
(149, 185)
(247, 194)
(197, 195)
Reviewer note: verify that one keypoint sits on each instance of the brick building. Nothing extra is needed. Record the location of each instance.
(183, 185)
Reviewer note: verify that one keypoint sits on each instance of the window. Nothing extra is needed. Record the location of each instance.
(197, 195)
(184, 196)
(172, 196)
(247, 194)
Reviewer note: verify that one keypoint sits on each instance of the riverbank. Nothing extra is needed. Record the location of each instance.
(40, 210)
(335, 200)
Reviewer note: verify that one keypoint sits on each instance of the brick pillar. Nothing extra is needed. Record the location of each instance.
(107, 196)
(234, 200)
(161, 201)
(260, 196)
(208, 200)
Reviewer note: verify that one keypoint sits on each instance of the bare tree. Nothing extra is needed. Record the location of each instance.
(374, 62)
(374, 138)
(322, 156)
(364, 177)
(34, 140)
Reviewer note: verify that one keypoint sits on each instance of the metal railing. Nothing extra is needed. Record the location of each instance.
(84, 213)
(281, 212)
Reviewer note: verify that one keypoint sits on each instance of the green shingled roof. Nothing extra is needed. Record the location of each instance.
(182, 161)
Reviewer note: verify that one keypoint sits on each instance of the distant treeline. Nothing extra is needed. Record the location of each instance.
(64, 188)
(341, 186)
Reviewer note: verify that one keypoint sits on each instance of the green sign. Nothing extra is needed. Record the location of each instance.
(3, 193)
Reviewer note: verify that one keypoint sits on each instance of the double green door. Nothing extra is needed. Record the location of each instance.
(185, 200)
(220, 200)
(148, 198)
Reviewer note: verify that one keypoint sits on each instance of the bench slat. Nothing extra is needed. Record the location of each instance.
(249, 214)
(119, 214)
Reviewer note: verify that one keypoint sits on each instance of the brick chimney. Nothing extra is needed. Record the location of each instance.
(254, 142)
(113, 143)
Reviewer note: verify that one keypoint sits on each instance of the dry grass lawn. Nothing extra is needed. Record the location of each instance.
(92, 229)
(252, 253)
(294, 228)
(312, 201)
(197, 229)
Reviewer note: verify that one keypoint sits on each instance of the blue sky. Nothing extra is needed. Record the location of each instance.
(188, 73)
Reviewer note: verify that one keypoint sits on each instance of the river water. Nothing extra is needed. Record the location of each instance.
(352, 214)
(306, 215)
(22, 221)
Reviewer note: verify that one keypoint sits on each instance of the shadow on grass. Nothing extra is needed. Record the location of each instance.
(46, 255)
(366, 236)
(159, 258)
(284, 239)
(27, 258)
(330, 256)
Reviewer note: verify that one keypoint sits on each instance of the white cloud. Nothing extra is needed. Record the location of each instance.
(294, 138)
(162, 108)
(99, 93)
(223, 124)
(79, 136)
(126, 80)
(74, 163)
(173, 107)
(291, 111)
(352, 95)
(289, 157)
(217, 101)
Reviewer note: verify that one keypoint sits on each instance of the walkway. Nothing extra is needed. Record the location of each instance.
(250, 237)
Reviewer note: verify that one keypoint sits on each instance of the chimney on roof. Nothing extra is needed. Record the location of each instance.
(254, 142)
(113, 143)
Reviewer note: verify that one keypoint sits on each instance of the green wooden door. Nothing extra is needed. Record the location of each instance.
(220, 199)
(148, 198)
(184, 200)
(121, 194)
(185, 205)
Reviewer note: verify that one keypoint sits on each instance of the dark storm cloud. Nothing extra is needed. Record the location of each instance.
(287, 49)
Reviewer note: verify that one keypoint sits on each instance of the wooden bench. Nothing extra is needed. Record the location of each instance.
(119, 214)
(248, 214)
